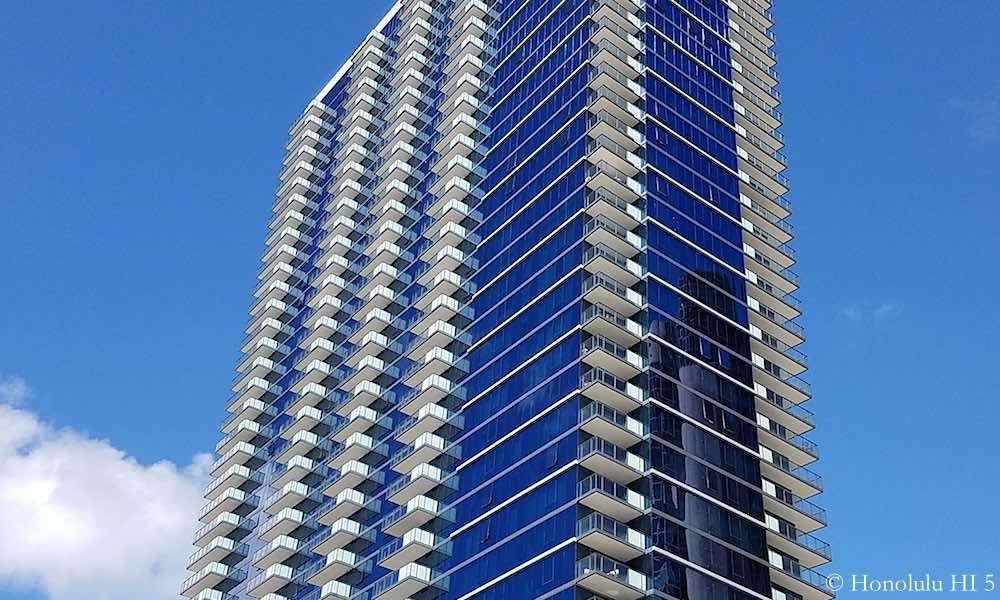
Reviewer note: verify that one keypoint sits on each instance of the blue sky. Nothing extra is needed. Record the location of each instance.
(139, 148)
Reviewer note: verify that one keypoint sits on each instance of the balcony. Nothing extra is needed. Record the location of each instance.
(809, 550)
(281, 549)
(290, 495)
(416, 512)
(418, 482)
(608, 577)
(599, 288)
(604, 259)
(601, 231)
(220, 550)
(796, 478)
(602, 321)
(240, 454)
(344, 534)
(607, 423)
(805, 515)
(798, 579)
(236, 476)
(338, 563)
(411, 581)
(218, 576)
(349, 503)
(611, 461)
(231, 501)
(416, 544)
(610, 357)
(425, 449)
(610, 537)
(284, 522)
(359, 420)
(606, 388)
(301, 444)
(298, 468)
(357, 447)
(270, 580)
(354, 475)
(432, 390)
(430, 418)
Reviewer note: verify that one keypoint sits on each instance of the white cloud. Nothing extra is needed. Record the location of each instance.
(13, 390)
(81, 519)
(884, 311)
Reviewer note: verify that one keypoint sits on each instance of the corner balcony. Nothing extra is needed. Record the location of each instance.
(445, 282)
(610, 357)
(217, 576)
(605, 176)
(604, 232)
(416, 512)
(610, 460)
(797, 448)
(604, 259)
(411, 581)
(416, 544)
(338, 563)
(220, 550)
(599, 288)
(365, 394)
(311, 395)
(376, 320)
(431, 418)
(348, 504)
(608, 577)
(270, 580)
(601, 320)
(606, 388)
(602, 421)
(610, 537)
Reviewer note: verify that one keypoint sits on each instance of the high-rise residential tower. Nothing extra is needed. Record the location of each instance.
(524, 325)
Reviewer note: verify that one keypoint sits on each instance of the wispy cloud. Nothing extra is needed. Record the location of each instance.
(877, 313)
(82, 519)
(13, 390)
(982, 115)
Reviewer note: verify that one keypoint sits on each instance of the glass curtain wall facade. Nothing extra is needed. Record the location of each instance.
(525, 323)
